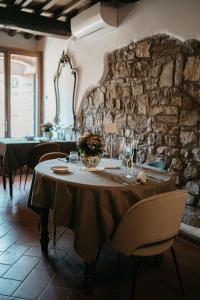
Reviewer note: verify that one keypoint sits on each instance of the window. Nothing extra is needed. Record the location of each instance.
(20, 93)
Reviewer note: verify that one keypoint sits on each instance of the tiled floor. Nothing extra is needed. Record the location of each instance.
(26, 274)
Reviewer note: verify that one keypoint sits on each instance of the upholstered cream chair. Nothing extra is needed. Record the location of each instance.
(149, 228)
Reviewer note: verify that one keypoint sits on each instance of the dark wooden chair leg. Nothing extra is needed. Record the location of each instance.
(136, 267)
(3, 173)
(10, 177)
(44, 233)
(4, 181)
(20, 177)
(177, 270)
(54, 236)
(13, 176)
(26, 176)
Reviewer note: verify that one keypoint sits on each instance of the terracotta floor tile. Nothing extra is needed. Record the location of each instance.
(7, 286)
(22, 268)
(12, 254)
(33, 285)
(4, 245)
(3, 269)
(55, 293)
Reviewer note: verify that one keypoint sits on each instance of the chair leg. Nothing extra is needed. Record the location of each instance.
(13, 178)
(26, 177)
(20, 177)
(136, 267)
(177, 270)
(54, 236)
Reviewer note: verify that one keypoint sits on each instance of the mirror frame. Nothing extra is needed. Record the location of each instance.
(64, 60)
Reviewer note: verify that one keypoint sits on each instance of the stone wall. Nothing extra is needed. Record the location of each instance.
(152, 90)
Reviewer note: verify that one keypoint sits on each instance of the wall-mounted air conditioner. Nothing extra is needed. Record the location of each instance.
(94, 21)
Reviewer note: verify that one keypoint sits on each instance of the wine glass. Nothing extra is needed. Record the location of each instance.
(127, 158)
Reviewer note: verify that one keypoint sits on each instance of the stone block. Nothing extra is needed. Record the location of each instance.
(158, 110)
(137, 89)
(179, 69)
(192, 69)
(189, 118)
(166, 75)
(171, 140)
(193, 91)
(98, 98)
(196, 153)
(154, 71)
(188, 138)
(167, 119)
(170, 110)
(191, 171)
(176, 164)
(143, 105)
(143, 49)
(140, 69)
(176, 101)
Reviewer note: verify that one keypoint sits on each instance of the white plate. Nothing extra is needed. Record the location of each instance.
(97, 169)
(60, 169)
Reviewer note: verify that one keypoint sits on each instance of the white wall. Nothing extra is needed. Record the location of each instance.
(178, 18)
(18, 41)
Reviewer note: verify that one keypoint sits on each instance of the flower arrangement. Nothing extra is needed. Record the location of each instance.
(90, 144)
(47, 127)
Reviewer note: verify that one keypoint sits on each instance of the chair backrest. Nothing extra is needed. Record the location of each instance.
(39, 150)
(52, 155)
(154, 219)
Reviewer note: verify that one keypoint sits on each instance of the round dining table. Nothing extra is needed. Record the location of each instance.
(89, 201)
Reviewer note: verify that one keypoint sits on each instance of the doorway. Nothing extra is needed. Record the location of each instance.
(20, 93)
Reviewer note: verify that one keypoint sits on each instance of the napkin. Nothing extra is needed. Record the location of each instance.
(141, 177)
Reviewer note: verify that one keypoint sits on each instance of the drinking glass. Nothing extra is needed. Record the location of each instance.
(127, 158)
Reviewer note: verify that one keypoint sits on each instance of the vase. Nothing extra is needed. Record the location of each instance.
(48, 135)
(90, 161)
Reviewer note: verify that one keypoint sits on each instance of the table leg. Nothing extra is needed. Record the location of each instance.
(10, 177)
(3, 173)
(44, 234)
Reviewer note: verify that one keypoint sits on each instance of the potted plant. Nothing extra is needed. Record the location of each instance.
(90, 147)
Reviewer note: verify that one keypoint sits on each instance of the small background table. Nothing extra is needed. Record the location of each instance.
(14, 154)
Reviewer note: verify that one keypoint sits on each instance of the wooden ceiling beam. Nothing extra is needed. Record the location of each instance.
(25, 3)
(74, 4)
(47, 4)
(28, 22)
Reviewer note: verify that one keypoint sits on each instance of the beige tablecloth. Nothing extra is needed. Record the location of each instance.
(90, 203)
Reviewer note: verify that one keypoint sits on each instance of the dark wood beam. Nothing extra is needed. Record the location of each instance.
(41, 25)
(28, 35)
(25, 3)
(74, 4)
(47, 4)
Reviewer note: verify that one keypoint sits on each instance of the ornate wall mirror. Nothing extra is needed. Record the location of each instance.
(65, 81)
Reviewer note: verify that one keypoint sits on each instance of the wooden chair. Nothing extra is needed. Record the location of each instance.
(149, 228)
(52, 155)
(37, 152)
